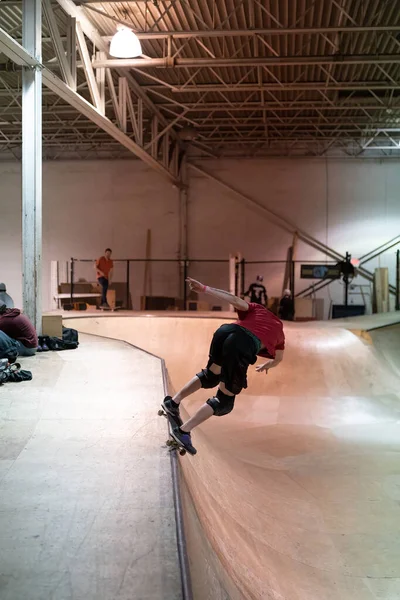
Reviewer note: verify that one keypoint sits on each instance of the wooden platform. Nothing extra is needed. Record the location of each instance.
(295, 494)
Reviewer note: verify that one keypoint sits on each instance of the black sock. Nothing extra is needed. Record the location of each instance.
(181, 430)
(173, 402)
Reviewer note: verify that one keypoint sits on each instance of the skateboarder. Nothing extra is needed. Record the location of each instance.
(235, 346)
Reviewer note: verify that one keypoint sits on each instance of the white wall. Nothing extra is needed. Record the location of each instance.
(350, 205)
(86, 208)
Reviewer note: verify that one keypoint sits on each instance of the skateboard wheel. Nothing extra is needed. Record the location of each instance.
(160, 413)
(169, 443)
(182, 452)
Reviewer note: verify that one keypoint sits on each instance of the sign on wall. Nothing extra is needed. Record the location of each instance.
(320, 272)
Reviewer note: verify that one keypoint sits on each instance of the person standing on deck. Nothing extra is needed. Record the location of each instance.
(104, 270)
(257, 292)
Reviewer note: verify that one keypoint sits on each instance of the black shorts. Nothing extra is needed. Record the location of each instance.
(233, 350)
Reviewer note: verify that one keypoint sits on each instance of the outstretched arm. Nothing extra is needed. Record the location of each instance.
(271, 363)
(236, 302)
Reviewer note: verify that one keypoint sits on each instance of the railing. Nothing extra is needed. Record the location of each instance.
(162, 277)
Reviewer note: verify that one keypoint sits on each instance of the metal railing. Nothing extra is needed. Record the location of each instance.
(169, 280)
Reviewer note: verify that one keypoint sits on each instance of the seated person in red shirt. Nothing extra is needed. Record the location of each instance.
(18, 327)
(235, 346)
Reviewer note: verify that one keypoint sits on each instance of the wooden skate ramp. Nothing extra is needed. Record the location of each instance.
(296, 494)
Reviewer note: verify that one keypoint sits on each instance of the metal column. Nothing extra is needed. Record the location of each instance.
(183, 192)
(128, 286)
(346, 279)
(32, 166)
(183, 241)
(398, 280)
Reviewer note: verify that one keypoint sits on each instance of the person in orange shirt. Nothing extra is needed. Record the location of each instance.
(104, 271)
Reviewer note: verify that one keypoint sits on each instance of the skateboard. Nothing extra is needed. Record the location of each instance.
(172, 442)
(109, 309)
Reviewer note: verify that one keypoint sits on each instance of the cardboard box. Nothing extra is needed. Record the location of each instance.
(52, 325)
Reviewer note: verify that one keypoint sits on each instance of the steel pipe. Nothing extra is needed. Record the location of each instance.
(148, 63)
(216, 33)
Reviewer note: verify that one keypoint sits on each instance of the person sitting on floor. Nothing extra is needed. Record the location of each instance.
(19, 328)
(4, 297)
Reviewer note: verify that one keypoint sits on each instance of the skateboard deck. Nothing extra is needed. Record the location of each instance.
(172, 443)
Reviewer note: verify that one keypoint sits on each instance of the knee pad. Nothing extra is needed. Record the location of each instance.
(208, 379)
(222, 404)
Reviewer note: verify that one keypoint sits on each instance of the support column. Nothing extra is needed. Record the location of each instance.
(32, 166)
(183, 230)
(397, 305)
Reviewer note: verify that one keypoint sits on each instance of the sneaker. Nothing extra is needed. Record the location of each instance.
(172, 408)
(183, 439)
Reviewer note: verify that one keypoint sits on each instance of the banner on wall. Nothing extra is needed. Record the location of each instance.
(320, 271)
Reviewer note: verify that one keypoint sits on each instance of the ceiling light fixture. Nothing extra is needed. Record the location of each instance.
(125, 44)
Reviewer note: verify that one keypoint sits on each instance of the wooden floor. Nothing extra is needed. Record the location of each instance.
(295, 494)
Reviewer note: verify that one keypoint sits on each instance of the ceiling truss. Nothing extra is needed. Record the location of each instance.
(291, 78)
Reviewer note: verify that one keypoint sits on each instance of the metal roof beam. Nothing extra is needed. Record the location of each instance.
(170, 62)
(246, 87)
(288, 87)
(311, 137)
(94, 36)
(17, 53)
(253, 32)
(285, 106)
(57, 42)
(216, 33)
(88, 69)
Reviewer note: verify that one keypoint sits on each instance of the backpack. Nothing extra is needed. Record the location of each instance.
(55, 343)
(70, 335)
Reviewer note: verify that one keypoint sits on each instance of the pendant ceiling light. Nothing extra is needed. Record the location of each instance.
(125, 44)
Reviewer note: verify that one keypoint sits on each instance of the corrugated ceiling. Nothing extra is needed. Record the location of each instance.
(347, 104)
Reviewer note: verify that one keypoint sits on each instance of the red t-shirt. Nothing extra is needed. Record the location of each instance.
(105, 265)
(265, 325)
(18, 327)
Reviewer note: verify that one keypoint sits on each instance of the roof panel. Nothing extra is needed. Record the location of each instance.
(234, 100)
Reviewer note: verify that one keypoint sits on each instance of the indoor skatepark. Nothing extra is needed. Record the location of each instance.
(295, 494)
(251, 145)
